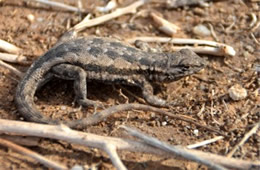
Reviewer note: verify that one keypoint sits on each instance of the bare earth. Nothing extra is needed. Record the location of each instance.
(230, 20)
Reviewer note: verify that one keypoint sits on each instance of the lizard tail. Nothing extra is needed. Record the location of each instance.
(26, 89)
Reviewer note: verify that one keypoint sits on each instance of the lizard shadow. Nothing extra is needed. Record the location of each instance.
(59, 91)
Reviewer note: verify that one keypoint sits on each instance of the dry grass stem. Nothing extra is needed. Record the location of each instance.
(60, 5)
(203, 46)
(12, 69)
(10, 48)
(95, 141)
(254, 20)
(13, 58)
(24, 151)
(164, 25)
(254, 28)
(118, 12)
(172, 149)
(21, 140)
(241, 143)
(205, 142)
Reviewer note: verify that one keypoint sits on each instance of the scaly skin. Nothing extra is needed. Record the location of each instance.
(105, 60)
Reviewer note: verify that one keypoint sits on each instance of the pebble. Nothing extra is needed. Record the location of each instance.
(164, 123)
(63, 107)
(31, 17)
(237, 92)
(77, 167)
(201, 30)
(196, 132)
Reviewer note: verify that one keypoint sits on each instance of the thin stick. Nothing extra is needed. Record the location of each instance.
(12, 58)
(241, 143)
(12, 69)
(172, 149)
(100, 116)
(254, 20)
(205, 142)
(111, 151)
(118, 12)
(164, 25)
(219, 47)
(24, 151)
(10, 48)
(60, 5)
(21, 140)
(96, 141)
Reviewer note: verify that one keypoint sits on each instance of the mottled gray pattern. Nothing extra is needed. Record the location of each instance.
(106, 60)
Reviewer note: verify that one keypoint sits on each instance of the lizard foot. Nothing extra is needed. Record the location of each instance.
(87, 103)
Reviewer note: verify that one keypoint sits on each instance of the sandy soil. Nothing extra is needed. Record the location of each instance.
(230, 20)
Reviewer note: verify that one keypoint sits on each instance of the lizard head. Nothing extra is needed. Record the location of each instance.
(182, 63)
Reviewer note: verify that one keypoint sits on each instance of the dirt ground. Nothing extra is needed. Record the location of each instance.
(209, 88)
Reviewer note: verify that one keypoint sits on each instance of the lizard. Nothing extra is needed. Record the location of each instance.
(84, 59)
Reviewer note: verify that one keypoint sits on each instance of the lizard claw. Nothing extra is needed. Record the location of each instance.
(87, 103)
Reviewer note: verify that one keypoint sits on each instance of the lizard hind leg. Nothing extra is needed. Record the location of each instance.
(79, 75)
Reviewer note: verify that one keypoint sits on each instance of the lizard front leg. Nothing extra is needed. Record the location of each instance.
(79, 75)
(147, 90)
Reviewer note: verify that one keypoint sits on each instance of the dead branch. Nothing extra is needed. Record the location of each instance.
(60, 5)
(247, 135)
(210, 47)
(172, 149)
(100, 142)
(118, 12)
(100, 116)
(12, 69)
(10, 48)
(34, 155)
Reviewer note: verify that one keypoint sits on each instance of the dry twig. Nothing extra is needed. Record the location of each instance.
(209, 47)
(241, 143)
(10, 48)
(118, 12)
(100, 142)
(12, 58)
(60, 5)
(205, 142)
(34, 155)
(100, 116)
(21, 140)
(12, 69)
(172, 149)
(164, 25)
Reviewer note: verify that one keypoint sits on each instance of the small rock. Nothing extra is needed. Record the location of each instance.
(201, 30)
(237, 92)
(63, 107)
(249, 48)
(164, 123)
(77, 167)
(30, 17)
(196, 132)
